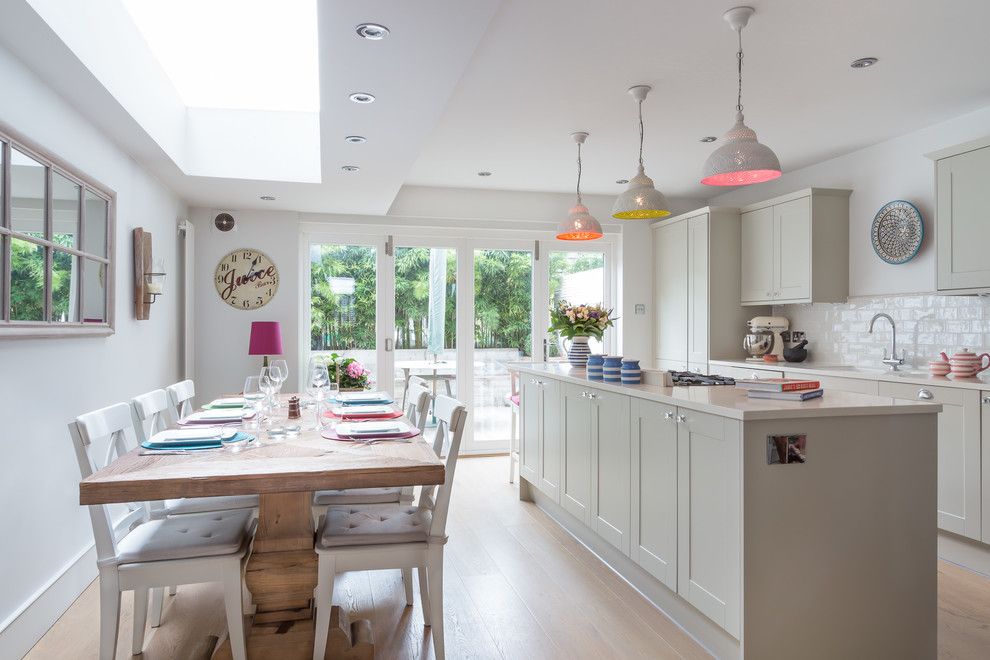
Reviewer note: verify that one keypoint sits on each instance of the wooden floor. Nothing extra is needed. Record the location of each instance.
(516, 586)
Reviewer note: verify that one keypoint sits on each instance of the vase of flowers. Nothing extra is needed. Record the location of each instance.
(348, 373)
(578, 324)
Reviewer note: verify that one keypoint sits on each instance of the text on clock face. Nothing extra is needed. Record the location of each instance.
(246, 279)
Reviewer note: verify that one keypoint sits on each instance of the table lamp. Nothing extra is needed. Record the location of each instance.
(266, 339)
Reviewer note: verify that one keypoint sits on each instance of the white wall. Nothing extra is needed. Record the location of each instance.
(45, 383)
(894, 169)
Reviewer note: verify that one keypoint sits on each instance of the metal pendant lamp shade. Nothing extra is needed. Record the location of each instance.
(579, 225)
(641, 200)
(740, 159)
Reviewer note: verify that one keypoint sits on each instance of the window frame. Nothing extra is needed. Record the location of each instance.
(9, 140)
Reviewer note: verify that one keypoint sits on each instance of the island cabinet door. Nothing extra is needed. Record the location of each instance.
(985, 401)
(709, 501)
(610, 461)
(959, 488)
(575, 418)
(653, 529)
(531, 427)
(550, 458)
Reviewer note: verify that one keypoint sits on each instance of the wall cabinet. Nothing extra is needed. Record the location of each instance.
(653, 531)
(959, 452)
(696, 286)
(962, 231)
(795, 248)
(709, 521)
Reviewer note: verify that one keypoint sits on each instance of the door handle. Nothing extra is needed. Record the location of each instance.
(389, 344)
(925, 394)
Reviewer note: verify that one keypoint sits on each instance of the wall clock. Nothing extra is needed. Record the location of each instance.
(246, 279)
(897, 232)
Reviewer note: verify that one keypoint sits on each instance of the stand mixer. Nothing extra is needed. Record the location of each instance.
(764, 337)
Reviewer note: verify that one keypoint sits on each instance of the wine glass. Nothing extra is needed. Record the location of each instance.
(253, 394)
(316, 386)
(268, 386)
(281, 369)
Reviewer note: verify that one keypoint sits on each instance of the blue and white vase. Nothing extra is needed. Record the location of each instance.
(612, 369)
(595, 363)
(631, 374)
(578, 352)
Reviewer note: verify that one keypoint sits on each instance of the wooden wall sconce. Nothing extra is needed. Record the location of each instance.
(148, 284)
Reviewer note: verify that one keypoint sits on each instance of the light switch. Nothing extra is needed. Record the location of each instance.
(640, 308)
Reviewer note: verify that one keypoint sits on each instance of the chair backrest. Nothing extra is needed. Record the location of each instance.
(418, 400)
(88, 433)
(419, 382)
(180, 396)
(451, 417)
(152, 413)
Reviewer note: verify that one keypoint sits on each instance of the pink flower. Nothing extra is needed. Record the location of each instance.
(355, 370)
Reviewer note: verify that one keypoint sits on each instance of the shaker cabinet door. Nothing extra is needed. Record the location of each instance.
(549, 481)
(792, 250)
(531, 428)
(575, 417)
(963, 227)
(672, 292)
(757, 255)
(610, 474)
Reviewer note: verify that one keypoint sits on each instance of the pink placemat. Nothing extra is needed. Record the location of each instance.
(331, 434)
(395, 414)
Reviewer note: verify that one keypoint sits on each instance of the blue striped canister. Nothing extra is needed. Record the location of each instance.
(631, 373)
(595, 362)
(612, 369)
(578, 352)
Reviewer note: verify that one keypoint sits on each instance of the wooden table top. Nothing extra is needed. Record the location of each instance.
(306, 462)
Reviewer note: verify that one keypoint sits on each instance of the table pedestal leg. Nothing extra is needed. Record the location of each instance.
(281, 576)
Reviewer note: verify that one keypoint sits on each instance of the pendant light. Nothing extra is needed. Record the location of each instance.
(579, 225)
(641, 200)
(740, 160)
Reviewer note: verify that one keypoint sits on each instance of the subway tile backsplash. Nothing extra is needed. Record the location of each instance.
(926, 324)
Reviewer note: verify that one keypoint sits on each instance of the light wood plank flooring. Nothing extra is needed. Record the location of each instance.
(516, 586)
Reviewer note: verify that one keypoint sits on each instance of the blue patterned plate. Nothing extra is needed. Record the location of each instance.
(897, 232)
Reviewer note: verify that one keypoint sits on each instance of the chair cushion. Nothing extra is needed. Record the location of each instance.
(205, 504)
(357, 496)
(374, 524)
(184, 537)
(514, 398)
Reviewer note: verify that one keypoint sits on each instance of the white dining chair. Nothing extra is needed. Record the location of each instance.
(387, 536)
(211, 547)
(180, 397)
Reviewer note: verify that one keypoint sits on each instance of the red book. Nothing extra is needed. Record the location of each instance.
(778, 384)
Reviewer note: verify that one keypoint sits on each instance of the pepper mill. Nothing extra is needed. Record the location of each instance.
(294, 411)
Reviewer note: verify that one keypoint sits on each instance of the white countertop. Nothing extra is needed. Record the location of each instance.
(910, 376)
(732, 402)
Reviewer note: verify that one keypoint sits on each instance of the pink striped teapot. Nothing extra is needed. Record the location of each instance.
(966, 363)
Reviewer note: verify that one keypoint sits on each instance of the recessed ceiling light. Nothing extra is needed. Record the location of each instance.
(268, 198)
(362, 97)
(372, 31)
(622, 182)
(355, 139)
(864, 62)
(483, 173)
(350, 168)
(708, 138)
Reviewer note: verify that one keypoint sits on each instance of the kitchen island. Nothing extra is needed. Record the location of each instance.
(767, 529)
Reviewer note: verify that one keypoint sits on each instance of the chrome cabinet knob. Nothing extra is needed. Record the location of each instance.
(925, 394)
(668, 416)
(986, 399)
(681, 419)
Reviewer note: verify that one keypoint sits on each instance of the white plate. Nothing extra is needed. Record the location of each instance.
(366, 409)
(363, 396)
(390, 427)
(217, 415)
(185, 435)
(230, 401)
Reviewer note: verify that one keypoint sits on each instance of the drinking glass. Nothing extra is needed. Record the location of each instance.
(268, 386)
(254, 395)
(281, 370)
(332, 389)
(316, 386)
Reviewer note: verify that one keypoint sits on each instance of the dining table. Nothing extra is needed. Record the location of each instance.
(281, 572)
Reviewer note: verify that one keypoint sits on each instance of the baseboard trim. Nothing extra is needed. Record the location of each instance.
(699, 627)
(22, 629)
(964, 552)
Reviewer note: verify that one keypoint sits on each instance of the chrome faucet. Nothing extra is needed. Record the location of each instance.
(893, 361)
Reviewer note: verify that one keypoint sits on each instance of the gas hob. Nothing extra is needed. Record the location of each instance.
(693, 378)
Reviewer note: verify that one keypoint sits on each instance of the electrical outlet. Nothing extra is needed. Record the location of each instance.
(640, 308)
(797, 335)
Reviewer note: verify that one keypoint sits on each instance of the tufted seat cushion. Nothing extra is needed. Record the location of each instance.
(374, 524)
(204, 504)
(195, 535)
(357, 496)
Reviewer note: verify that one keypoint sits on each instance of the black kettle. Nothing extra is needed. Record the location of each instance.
(797, 353)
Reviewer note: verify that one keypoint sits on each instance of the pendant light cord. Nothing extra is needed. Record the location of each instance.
(579, 174)
(739, 57)
(641, 134)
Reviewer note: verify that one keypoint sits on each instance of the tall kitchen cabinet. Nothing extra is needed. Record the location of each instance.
(795, 248)
(540, 450)
(696, 286)
(962, 232)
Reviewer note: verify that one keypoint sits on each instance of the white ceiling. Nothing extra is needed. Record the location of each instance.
(469, 85)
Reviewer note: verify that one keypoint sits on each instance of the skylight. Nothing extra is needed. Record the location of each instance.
(235, 54)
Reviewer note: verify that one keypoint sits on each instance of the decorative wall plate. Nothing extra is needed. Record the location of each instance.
(897, 232)
(246, 279)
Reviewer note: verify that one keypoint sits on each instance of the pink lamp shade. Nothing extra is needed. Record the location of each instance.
(266, 338)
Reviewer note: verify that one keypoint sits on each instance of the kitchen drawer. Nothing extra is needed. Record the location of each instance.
(953, 396)
(839, 383)
(756, 371)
